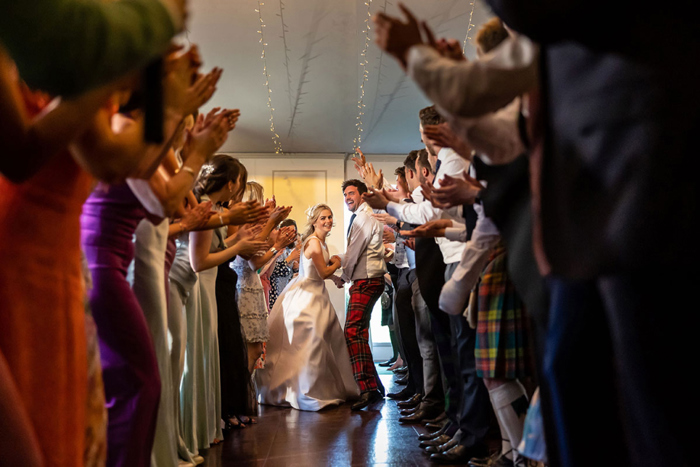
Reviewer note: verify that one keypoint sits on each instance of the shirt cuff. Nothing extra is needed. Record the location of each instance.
(456, 234)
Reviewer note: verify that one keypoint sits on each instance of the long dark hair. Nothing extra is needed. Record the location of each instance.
(217, 173)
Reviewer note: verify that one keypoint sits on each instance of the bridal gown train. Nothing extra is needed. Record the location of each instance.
(307, 365)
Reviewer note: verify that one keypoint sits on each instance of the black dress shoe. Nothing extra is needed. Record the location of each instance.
(412, 402)
(402, 370)
(443, 447)
(459, 454)
(387, 363)
(416, 417)
(366, 399)
(401, 395)
(411, 411)
(402, 381)
(438, 441)
(438, 419)
(436, 426)
(432, 434)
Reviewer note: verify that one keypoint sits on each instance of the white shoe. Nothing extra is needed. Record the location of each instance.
(453, 298)
(182, 463)
(198, 460)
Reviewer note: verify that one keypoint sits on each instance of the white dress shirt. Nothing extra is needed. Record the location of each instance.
(475, 88)
(364, 256)
(421, 212)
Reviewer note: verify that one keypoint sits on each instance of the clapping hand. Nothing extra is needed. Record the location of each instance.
(196, 217)
(376, 199)
(248, 212)
(360, 163)
(395, 36)
(207, 136)
(280, 213)
(285, 236)
(443, 136)
(248, 231)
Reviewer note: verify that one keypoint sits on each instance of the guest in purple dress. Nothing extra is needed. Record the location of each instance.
(130, 370)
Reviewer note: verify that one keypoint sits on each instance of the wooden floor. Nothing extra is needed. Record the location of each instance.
(333, 437)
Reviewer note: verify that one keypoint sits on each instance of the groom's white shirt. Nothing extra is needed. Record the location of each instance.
(364, 256)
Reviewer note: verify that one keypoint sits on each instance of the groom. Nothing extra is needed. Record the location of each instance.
(363, 265)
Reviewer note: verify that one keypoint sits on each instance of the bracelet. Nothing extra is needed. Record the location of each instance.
(274, 250)
(221, 219)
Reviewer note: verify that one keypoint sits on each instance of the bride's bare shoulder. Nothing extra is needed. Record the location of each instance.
(312, 245)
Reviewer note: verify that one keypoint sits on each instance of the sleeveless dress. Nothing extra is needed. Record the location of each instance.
(42, 322)
(251, 302)
(187, 345)
(236, 384)
(308, 365)
(130, 369)
(210, 335)
(200, 393)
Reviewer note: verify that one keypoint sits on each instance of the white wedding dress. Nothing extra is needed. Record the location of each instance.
(307, 365)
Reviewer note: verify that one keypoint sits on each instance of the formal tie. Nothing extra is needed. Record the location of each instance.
(352, 219)
(437, 166)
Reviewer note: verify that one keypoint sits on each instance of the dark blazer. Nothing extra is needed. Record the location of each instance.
(622, 117)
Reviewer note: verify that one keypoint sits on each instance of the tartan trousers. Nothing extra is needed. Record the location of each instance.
(364, 294)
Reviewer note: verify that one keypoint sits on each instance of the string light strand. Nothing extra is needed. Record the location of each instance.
(469, 28)
(275, 137)
(364, 61)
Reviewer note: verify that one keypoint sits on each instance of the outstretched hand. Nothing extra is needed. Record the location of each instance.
(430, 229)
(454, 191)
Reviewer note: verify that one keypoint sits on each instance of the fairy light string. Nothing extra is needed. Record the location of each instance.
(469, 28)
(364, 61)
(275, 137)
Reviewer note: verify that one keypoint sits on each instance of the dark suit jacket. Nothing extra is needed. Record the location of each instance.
(622, 111)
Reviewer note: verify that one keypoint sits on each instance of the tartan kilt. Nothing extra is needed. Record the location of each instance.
(502, 344)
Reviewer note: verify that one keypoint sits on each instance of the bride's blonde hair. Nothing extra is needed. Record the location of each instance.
(312, 215)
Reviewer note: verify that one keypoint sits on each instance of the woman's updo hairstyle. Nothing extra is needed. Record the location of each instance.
(312, 215)
(220, 170)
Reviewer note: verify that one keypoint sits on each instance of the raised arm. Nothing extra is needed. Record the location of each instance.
(202, 259)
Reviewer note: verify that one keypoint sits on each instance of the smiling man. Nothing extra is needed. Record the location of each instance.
(363, 264)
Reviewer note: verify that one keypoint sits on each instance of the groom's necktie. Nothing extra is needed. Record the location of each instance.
(352, 219)
(437, 166)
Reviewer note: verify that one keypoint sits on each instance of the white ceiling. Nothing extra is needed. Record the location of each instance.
(316, 82)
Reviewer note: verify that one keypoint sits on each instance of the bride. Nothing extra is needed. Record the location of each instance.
(307, 365)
